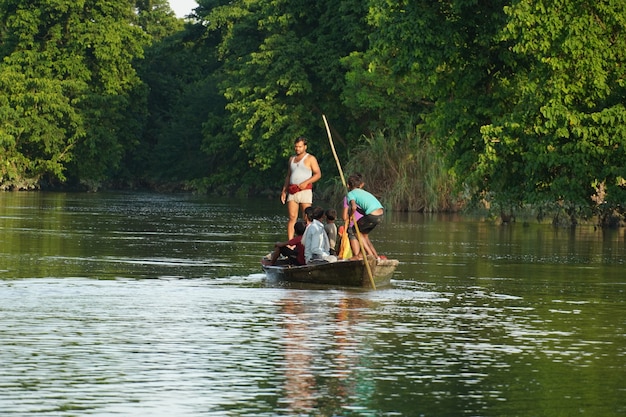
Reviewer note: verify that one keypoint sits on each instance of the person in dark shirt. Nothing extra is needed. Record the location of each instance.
(292, 248)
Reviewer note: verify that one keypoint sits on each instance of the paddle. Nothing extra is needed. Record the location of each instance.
(356, 226)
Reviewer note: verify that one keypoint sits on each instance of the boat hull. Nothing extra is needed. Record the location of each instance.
(343, 273)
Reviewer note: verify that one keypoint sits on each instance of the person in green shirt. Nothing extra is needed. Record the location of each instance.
(372, 210)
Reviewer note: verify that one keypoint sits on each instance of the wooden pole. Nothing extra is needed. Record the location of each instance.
(356, 226)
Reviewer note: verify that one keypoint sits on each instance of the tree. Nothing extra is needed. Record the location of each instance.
(434, 63)
(183, 95)
(65, 79)
(526, 99)
(39, 128)
(281, 70)
(561, 138)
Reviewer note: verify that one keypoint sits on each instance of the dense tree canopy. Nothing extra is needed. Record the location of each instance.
(527, 98)
(66, 78)
(524, 99)
(281, 71)
(561, 135)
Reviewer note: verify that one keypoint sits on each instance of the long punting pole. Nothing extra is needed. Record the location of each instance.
(356, 226)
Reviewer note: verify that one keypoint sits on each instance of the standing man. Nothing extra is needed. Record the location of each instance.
(297, 191)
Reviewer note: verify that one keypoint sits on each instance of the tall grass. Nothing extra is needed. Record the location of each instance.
(404, 170)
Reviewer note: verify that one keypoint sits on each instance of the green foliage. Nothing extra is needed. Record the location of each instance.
(281, 69)
(38, 130)
(157, 19)
(378, 98)
(182, 93)
(526, 98)
(564, 130)
(65, 76)
(434, 61)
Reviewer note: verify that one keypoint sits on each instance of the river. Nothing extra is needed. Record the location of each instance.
(137, 304)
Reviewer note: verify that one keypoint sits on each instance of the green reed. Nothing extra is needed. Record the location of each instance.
(404, 170)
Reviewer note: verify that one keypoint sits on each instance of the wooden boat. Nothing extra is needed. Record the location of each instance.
(344, 273)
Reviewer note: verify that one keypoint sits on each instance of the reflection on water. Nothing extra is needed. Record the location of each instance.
(108, 236)
(480, 320)
(321, 355)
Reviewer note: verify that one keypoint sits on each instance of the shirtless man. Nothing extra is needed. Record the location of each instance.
(297, 191)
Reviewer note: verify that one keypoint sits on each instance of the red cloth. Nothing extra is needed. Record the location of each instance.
(293, 188)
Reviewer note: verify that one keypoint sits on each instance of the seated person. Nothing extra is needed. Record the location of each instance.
(315, 239)
(331, 229)
(292, 249)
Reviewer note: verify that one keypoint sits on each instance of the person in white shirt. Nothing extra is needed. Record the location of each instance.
(315, 239)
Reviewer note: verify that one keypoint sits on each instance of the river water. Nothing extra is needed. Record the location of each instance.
(155, 305)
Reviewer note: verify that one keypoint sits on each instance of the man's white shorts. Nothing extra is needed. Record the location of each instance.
(301, 197)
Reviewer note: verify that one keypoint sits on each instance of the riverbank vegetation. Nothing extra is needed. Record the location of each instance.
(405, 167)
(441, 105)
